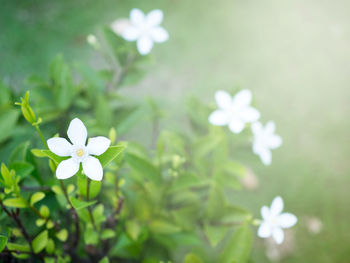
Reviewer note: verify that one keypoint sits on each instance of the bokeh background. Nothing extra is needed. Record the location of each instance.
(293, 55)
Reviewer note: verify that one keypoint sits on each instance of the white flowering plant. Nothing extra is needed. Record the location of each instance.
(76, 186)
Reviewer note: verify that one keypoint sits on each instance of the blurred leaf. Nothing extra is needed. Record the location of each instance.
(103, 112)
(90, 236)
(6, 175)
(192, 258)
(216, 202)
(82, 182)
(159, 226)
(133, 229)
(104, 260)
(188, 180)
(50, 248)
(36, 197)
(3, 242)
(238, 247)
(79, 204)
(17, 202)
(18, 247)
(215, 233)
(143, 166)
(22, 168)
(44, 211)
(107, 234)
(62, 235)
(8, 120)
(40, 242)
(111, 153)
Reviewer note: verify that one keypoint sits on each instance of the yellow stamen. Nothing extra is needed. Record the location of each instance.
(80, 152)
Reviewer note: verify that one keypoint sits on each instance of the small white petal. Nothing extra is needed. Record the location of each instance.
(93, 168)
(223, 99)
(159, 34)
(236, 125)
(242, 98)
(250, 114)
(67, 168)
(276, 206)
(77, 132)
(154, 18)
(98, 145)
(287, 220)
(270, 127)
(278, 235)
(265, 156)
(137, 17)
(59, 146)
(265, 212)
(131, 34)
(144, 45)
(218, 117)
(264, 230)
(257, 128)
(274, 141)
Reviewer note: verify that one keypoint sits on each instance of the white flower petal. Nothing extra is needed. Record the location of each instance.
(59, 146)
(265, 155)
(223, 99)
(144, 45)
(250, 114)
(154, 18)
(137, 17)
(159, 34)
(131, 33)
(276, 206)
(67, 168)
(77, 132)
(98, 145)
(236, 125)
(218, 117)
(93, 168)
(257, 128)
(120, 25)
(278, 235)
(265, 212)
(264, 230)
(270, 127)
(242, 98)
(287, 220)
(274, 141)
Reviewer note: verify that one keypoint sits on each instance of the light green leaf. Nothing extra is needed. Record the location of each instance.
(79, 204)
(3, 242)
(50, 248)
(38, 153)
(104, 260)
(144, 167)
(192, 258)
(90, 236)
(40, 222)
(6, 175)
(19, 153)
(215, 233)
(107, 234)
(18, 247)
(8, 120)
(82, 181)
(57, 159)
(133, 229)
(40, 242)
(238, 247)
(62, 235)
(111, 153)
(36, 197)
(44, 211)
(18, 202)
(163, 227)
(22, 168)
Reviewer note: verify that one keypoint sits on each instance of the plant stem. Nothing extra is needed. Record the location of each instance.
(89, 207)
(41, 135)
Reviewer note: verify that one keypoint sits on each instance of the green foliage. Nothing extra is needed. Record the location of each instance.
(158, 199)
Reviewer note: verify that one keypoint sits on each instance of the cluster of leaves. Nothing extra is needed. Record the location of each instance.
(162, 201)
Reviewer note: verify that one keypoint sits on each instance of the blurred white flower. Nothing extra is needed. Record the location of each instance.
(265, 139)
(234, 112)
(79, 153)
(120, 25)
(145, 29)
(314, 225)
(274, 221)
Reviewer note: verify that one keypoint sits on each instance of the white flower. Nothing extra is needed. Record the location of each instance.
(274, 220)
(79, 152)
(234, 112)
(265, 139)
(145, 29)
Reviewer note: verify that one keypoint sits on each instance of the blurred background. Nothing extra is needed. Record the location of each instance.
(293, 55)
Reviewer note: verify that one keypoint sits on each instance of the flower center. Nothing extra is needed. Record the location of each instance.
(80, 152)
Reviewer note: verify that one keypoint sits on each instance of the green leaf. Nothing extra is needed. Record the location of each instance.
(214, 233)
(36, 197)
(50, 248)
(38, 153)
(40, 242)
(188, 180)
(144, 167)
(18, 247)
(44, 211)
(17, 202)
(82, 181)
(3, 242)
(216, 202)
(79, 204)
(90, 236)
(40, 222)
(163, 227)
(62, 235)
(107, 234)
(57, 159)
(104, 260)
(19, 153)
(133, 229)
(111, 153)
(238, 247)
(192, 258)
(6, 175)
(22, 168)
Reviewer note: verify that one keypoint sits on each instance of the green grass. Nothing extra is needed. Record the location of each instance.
(294, 56)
